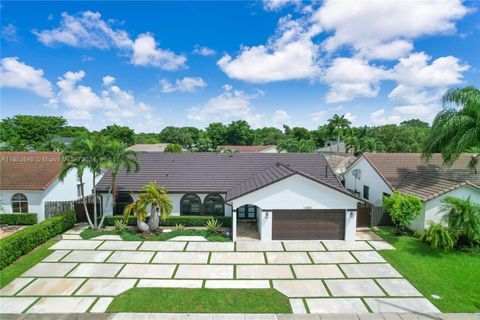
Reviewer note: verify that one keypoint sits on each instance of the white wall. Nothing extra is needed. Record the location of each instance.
(265, 229)
(370, 178)
(433, 208)
(65, 190)
(297, 192)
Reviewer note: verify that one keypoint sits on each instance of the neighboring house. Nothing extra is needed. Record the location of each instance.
(30, 179)
(375, 175)
(331, 146)
(155, 147)
(287, 196)
(252, 149)
(340, 162)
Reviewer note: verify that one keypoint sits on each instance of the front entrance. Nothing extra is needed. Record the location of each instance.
(247, 228)
(247, 212)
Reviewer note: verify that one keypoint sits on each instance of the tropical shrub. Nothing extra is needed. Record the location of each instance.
(24, 219)
(438, 236)
(179, 227)
(120, 225)
(187, 221)
(403, 209)
(213, 226)
(463, 219)
(22, 242)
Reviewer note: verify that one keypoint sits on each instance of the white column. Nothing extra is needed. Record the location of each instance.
(350, 224)
(107, 204)
(234, 225)
(266, 232)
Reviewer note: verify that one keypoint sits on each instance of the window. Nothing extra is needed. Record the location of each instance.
(19, 203)
(366, 192)
(213, 205)
(80, 189)
(190, 204)
(121, 201)
(247, 212)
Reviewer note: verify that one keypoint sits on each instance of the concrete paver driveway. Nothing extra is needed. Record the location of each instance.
(317, 276)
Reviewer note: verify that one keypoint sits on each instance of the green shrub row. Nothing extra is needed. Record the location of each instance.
(24, 219)
(187, 221)
(24, 241)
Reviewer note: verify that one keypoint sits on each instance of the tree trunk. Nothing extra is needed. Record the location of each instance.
(338, 141)
(85, 205)
(95, 224)
(111, 192)
(142, 226)
(154, 219)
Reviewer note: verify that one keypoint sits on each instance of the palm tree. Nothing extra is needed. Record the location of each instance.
(87, 153)
(138, 210)
(157, 199)
(337, 125)
(454, 131)
(118, 158)
(463, 218)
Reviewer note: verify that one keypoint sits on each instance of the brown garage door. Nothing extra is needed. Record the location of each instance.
(308, 224)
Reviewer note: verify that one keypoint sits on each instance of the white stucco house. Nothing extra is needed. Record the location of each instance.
(375, 175)
(30, 179)
(285, 196)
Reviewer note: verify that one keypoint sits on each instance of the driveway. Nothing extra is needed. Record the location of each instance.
(317, 276)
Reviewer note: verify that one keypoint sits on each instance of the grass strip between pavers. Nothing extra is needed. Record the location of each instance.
(18, 267)
(203, 300)
(133, 236)
(452, 275)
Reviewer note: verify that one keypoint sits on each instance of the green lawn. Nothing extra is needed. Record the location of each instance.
(131, 236)
(25, 262)
(179, 300)
(454, 276)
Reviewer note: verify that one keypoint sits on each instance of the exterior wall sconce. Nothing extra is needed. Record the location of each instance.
(266, 215)
(351, 214)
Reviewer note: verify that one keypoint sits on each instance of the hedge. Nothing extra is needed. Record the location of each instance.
(22, 242)
(23, 219)
(187, 221)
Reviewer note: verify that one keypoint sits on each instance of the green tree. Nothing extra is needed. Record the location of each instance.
(239, 133)
(463, 219)
(119, 133)
(117, 159)
(268, 136)
(299, 133)
(184, 136)
(204, 144)
(216, 132)
(403, 209)
(337, 127)
(86, 153)
(415, 123)
(147, 138)
(455, 130)
(174, 148)
(292, 145)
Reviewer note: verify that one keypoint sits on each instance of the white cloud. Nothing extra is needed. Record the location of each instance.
(229, 105)
(17, 74)
(146, 53)
(289, 54)
(385, 29)
(275, 5)
(85, 30)
(78, 97)
(9, 33)
(280, 117)
(108, 80)
(424, 112)
(203, 51)
(187, 84)
(350, 78)
(318, 116)
(350, 116)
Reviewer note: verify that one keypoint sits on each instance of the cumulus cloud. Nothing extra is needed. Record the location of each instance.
(73, 95)
(229, 105)
(187, 84)
(385, 29)
(17, 74)
(275, 5)
(290, 54)
(281, 117)
(9, 33)
(88, 30)
(147, 53)
(203, 51)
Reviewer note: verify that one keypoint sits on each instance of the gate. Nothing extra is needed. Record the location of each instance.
(80, 209)
(364, 215)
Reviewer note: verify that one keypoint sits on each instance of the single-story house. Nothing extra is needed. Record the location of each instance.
(286, 195)
(375, 175)
(30, 179)
(154, 147)
(252, 149)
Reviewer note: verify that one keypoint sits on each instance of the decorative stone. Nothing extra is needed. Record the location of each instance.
(180, 257)
(62, 305)
(264, 272)
(353, 288)
(317, 271)
(51, 287)
(105, 287)
(131, 257)
(237, 258)
(287, 257)
(44, 269)
(92, 270)
(301, 288)
(332, 257)
(87, 256)
(147, 271)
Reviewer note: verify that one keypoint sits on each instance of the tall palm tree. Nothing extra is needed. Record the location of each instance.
(118, 158)
(454, 131)
(157, 199)
(87, 153)
(338, 125)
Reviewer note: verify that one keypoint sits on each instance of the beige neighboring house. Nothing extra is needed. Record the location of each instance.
(154, 147)
(252, 149)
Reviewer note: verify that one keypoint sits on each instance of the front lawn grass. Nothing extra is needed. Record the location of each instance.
(131, 236)
(181, 300)
(17, 268)
(452, 275)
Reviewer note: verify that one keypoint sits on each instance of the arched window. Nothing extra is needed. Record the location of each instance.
(121, 201)
(213, 205)
(190, 204)
(19, 203)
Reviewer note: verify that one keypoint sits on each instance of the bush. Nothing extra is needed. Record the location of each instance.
(24, 219)
(187, 221)
(119, 225)
(403, 209)
(173, 148)
(24, 241)
(213, 226)
(463, 219)
(438, 237)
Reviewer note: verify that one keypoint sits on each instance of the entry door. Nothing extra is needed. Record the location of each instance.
(247, 212)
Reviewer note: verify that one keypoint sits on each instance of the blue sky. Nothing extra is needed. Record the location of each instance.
(152, 64)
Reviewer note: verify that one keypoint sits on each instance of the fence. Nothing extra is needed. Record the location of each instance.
(380, 217)
(53, 208)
